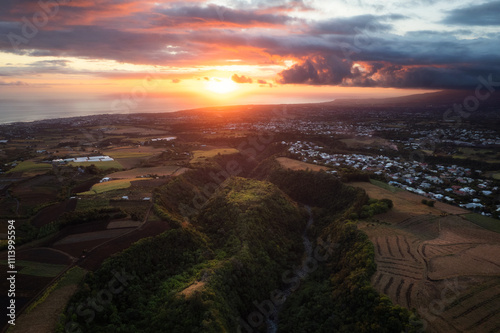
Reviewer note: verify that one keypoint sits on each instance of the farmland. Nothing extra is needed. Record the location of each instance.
(200, 156)
(484, 221)
(44, 314)
(131, 156)
(141, 172)
(292, 164)
(440, 265)
(31, 167)
(111, 186)
(37, 269)
(100, 165)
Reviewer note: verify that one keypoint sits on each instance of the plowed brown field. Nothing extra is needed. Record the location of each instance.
(445, 267)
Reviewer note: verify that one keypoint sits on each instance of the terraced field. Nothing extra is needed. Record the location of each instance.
(445, 267)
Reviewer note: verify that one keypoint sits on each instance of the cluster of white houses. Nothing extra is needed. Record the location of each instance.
(452, 184)
(84, 159)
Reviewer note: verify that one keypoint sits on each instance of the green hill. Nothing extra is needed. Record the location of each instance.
(237, 246)
(241, 242)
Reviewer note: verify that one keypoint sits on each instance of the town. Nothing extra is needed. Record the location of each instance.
(452, 184)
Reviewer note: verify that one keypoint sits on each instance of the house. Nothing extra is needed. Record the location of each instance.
(472, 205)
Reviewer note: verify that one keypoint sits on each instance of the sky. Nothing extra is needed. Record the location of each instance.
(196, 53)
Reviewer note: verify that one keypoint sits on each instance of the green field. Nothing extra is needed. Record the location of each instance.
(199, 156)
(91, 203)
(30, 166)
(111, 186)
(131, 154)
(100, 165)
(34, 268)
(385, 186)
(72, 277)
(486, 155)
(496, 176)
(484, 221)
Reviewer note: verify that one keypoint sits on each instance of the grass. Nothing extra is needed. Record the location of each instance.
(130, 154)
(94, 203)
(111, 186)
(100, 165)
(34, 268)
(496, 176)
(72, 277)
(199, 156)
(30, 166)
(137, 172)
(385, 186)
(484, 221)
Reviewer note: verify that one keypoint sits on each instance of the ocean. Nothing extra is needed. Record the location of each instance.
(32, 110)
(19, 110)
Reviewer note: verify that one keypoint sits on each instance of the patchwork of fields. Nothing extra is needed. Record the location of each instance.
(437, 262)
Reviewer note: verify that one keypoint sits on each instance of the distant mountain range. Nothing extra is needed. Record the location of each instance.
(444, 98)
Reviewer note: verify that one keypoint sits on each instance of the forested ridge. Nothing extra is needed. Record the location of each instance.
(236, 231)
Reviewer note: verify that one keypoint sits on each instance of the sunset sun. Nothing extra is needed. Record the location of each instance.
(221, 86)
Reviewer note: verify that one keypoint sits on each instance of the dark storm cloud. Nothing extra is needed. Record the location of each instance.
(317, 70)
(431, 77)
(333, 71)
(212, 14)
(481, 15)
(413, 61)
(355, 24)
